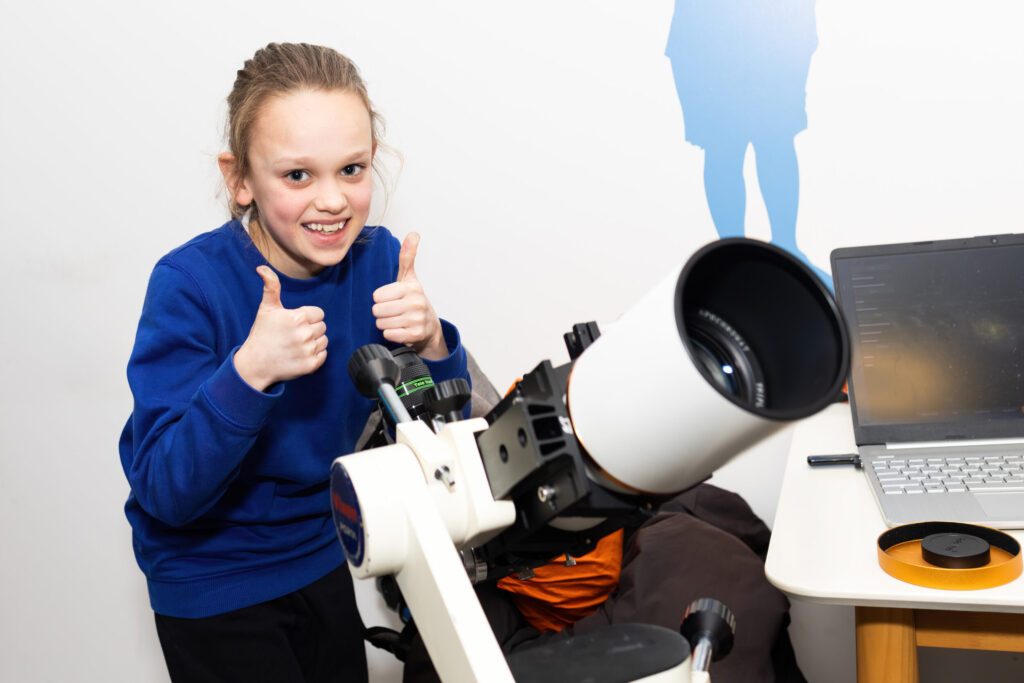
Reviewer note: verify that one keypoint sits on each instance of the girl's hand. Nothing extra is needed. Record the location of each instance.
(403, 311)
(284, 343)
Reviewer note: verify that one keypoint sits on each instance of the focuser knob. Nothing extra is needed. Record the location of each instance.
(447, 399)
(709, 627)
(370, 366)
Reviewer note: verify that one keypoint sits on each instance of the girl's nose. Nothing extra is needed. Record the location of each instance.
(330, 199)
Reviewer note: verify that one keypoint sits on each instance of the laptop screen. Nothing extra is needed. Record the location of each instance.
(937, 338)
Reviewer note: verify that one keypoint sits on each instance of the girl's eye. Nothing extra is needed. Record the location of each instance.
(352, 169)
(297, 176)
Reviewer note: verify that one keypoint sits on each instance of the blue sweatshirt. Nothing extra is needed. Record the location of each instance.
(229, 502)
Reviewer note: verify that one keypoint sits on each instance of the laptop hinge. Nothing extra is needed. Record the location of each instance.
(955, 443)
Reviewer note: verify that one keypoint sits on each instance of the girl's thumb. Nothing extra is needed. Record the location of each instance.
(271, 288)
(407, 256)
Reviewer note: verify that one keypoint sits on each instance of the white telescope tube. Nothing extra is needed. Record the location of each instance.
(652, 422)
(658, 454)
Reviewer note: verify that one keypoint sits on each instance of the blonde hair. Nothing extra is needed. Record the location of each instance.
(278, 69)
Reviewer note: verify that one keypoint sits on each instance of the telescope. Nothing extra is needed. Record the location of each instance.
(738, 342)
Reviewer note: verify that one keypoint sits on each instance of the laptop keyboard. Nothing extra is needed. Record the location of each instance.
(900, 476)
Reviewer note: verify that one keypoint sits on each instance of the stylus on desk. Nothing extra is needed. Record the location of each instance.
(837, 459)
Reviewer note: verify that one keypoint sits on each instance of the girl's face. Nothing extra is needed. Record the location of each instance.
(309, 159)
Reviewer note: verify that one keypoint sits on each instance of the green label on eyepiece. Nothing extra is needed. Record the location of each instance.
(415, 385)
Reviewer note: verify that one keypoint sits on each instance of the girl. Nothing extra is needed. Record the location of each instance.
(239, 405)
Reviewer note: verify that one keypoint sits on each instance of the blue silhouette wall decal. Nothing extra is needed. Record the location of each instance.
(740, 69)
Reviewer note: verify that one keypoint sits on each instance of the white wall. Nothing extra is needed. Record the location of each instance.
(545, 168)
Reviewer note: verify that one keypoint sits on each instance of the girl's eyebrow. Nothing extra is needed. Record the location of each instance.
(357, 155)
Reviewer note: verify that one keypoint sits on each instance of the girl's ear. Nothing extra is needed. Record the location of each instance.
(238, 187)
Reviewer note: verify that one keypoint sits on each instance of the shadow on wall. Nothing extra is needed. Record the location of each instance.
(740, 69)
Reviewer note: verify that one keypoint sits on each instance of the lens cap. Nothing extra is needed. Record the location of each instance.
(955, 551)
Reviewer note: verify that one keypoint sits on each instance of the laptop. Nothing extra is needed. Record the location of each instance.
(937, 376)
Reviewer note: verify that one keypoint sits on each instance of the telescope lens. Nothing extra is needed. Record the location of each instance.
(721, 372)
(725, 358)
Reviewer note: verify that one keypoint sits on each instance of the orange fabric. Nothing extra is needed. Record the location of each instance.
(559, 596)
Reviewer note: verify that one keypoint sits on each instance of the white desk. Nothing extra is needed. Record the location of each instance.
(823, 548)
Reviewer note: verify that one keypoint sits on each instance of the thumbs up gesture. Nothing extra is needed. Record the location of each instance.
(403, 311)
(284, 343)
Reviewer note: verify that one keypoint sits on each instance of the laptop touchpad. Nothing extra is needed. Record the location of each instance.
(1002, 505)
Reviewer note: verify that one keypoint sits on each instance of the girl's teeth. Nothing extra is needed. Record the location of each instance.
(325, 229)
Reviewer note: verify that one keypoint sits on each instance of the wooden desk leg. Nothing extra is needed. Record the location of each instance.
(886, 645)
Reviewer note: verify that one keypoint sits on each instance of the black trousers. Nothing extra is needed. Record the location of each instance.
(313, 635)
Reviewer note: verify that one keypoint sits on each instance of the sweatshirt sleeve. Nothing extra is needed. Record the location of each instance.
(455, 365)
(194, 418)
